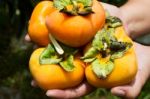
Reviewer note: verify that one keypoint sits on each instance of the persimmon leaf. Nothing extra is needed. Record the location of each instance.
(113, 22)
(50, 61)
(98, 41)
(90, 55)
(102, 69)
(119, 49)
(117, 55)
(69, 50)
(103, 38)
(86, 3)
(49, 56)
(88, 60)
(61, 4)
(67, 64)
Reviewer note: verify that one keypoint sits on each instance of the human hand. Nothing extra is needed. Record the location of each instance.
(133, 89)
(134, 16)
(130, 91)
(115, 11)
(75, 92)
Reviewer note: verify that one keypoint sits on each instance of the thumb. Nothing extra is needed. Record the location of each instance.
(131, 90)
(76, 92)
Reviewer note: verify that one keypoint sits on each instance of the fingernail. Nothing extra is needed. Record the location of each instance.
(120, 93)
(49, 93)
(33, 83)
(27, 38)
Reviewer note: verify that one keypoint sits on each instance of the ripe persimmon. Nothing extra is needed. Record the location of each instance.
(52, 75)
(110, 57)
(37, 29)
(75, 22)
(124, 70)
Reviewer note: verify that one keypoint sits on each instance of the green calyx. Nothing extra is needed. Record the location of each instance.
(106, 44)
(50, 56)
(113, 22)
(67, 64)
(74, 7)
(102, 69)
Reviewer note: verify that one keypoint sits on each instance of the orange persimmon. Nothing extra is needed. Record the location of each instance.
(37, 29)
(76, 28)
(53, 76)
(125, 68)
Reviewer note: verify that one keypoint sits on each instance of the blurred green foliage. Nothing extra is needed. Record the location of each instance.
(15, 77)
(115, 2)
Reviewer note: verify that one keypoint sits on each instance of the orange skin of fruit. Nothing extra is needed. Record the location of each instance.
(37, 29)
(124, 71)
(54, 76)
(77, 30)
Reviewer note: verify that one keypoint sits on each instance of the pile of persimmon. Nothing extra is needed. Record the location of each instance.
(79, 41)
(72, 22)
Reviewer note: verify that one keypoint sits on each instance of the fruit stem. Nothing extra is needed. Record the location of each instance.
(58, 48)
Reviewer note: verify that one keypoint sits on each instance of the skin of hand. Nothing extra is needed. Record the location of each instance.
(134, 15)
(73, 93)
(133, 89)
(129, 91)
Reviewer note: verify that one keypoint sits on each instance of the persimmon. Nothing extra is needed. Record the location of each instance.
(75, 22)
(37, 29)
(108, 70)
(46, 69)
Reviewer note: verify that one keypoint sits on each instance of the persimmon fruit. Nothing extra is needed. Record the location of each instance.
(37, 29)
(125, 68)
(52, 76)
(78, 29)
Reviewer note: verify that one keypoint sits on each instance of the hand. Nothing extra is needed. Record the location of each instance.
(75, 92)
(115, 11)
(133, 89)
(130, 91)
(78, 91)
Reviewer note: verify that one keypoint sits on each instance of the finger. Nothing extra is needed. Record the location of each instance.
(81, 90)
(129, 91)
(113, 10)
(33, 83)
(35, 46)
(27, 38)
